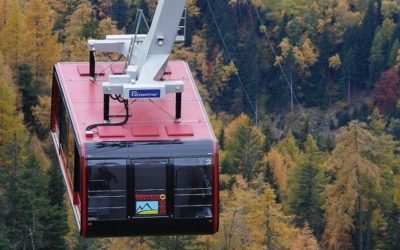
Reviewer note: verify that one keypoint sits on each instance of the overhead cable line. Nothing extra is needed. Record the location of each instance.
(250, 2)
(231, 60)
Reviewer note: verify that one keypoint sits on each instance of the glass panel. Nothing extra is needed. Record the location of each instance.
(70, 150)
(193, 193)
(107, 190)
(63, 125)
(150, 188)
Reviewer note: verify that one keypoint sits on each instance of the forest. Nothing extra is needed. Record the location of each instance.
(303, 96)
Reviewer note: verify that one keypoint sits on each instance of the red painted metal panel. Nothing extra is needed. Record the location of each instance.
(145, 130)
(215, 189)
(85, 101)
(117, 69)
(55, 105)
(179, 130)
(84, 195)
(111, 131)
(84, 70)
(153, 120)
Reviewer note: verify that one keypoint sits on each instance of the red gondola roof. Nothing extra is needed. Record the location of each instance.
(149, 120)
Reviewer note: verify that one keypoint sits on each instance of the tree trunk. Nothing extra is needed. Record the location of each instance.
(269, 233)
(349, 91)
(368, 239)
(359, 198)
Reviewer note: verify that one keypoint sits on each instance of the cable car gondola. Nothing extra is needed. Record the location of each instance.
(135, 147)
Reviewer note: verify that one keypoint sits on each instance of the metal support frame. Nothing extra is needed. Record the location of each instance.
(92, 64)
(147, 57)
(106, 111)
(178, 107)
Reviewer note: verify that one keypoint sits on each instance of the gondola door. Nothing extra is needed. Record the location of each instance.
(107, 190)
(149, 191)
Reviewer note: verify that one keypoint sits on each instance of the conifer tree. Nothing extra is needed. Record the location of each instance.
(59, 228)
(350, 70)
(29, 91)
(172, 242)
(353, 191)
(42, 48)
(8, 110)
(221, 138)
(379, 54)
(277, 165)
(363, 43)
(288, 147)
(305, 189)
(16, 203)
(245, 146)
(4, 242)
(4, 12)
(393, 53)
(13, 37)
(119, 13)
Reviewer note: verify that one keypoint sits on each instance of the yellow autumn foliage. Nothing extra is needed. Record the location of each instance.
(334, 62)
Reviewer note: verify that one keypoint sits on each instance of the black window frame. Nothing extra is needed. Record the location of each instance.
(132, 187)
(119, 163)
(66, 132)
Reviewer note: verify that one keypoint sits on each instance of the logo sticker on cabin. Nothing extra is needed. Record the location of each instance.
(150, 204)
(146, 207)
(145, 93)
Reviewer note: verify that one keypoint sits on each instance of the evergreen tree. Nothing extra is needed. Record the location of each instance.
(392, 237)
(8, 110)
(393, 53)
(120, 13)
(351, 70)
(16, 204)
(4, 12)
(13, 38)
(173, 242)
(42, 49)
(376, 59)
(305, 188)
(354, 189)
(363, 44)
(322, 76)
(81, 24)
(29, 92)
(221, 139)
(56, 186)
(380, 50)
(58, 214)
(245, 147)
(4, 242)
(288, 147)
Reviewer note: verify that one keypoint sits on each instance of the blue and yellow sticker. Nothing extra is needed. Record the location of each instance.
(146, 207)
(150, 204)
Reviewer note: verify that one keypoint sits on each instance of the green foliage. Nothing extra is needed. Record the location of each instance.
(355, 188)
(221, 139)
(13, 37)
(119, 13)
(380, 50)
(42, 49)
(306, 185)
(245, 147)
(173, 242)
(393, 53)
(29, 92)
(331, 51)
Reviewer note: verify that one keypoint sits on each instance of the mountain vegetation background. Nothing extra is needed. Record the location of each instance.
(303, 95)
